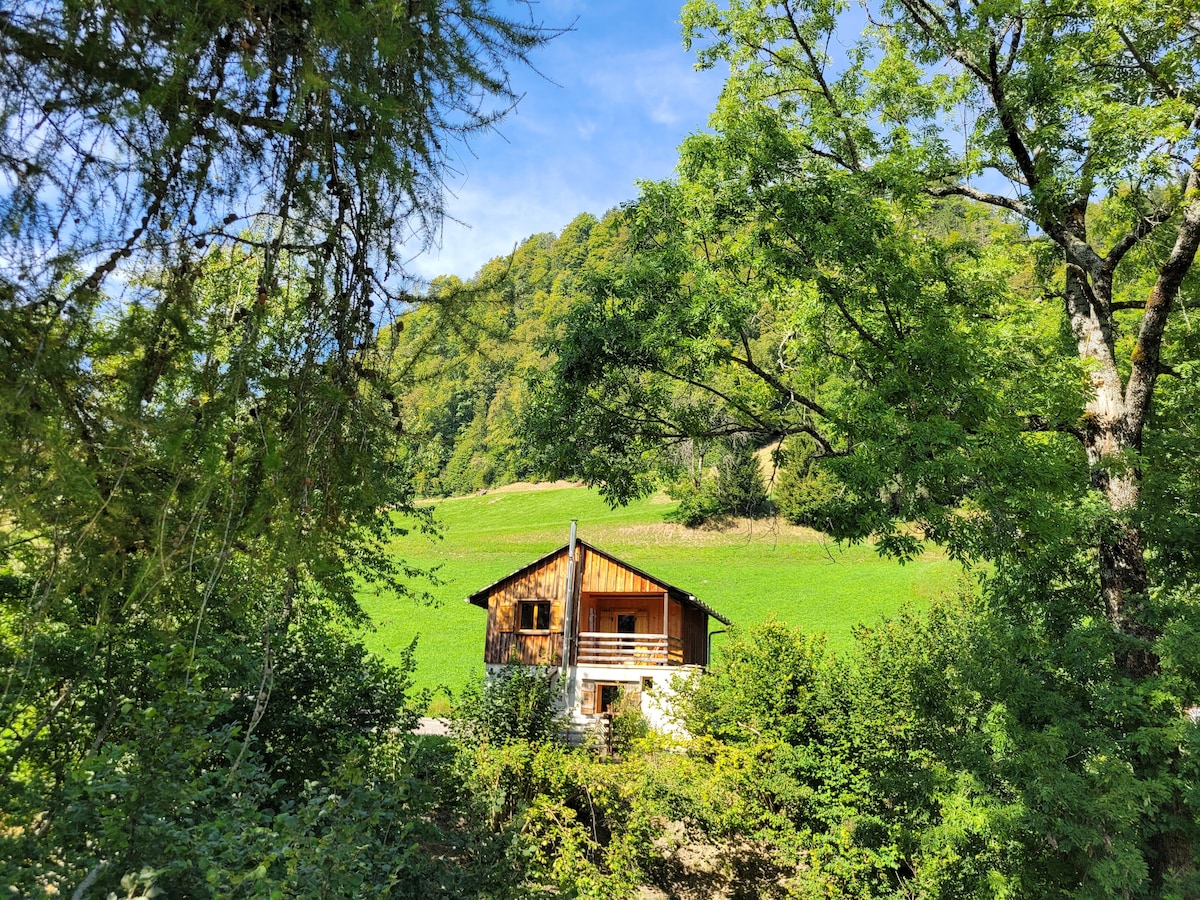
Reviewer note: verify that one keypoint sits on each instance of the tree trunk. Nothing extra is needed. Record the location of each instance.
(1111, 443)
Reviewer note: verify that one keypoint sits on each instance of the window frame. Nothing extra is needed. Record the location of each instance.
(597, 688)
(535, 604)
(597, 706)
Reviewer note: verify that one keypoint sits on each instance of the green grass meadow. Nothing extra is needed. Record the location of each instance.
(748, 572)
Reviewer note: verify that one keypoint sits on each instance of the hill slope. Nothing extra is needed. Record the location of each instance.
(748, 572)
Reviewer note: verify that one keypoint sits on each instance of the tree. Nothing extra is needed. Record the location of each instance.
(735, 488)
(1068, 105)
(206, 210)
(946, 253)
(461, 358)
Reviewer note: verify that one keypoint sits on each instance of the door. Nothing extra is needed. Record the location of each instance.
(624, 621)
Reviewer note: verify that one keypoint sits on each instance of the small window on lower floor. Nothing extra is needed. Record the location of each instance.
(535, 615)
(607, 696)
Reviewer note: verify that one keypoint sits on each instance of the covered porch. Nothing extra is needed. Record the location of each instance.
(635, 629)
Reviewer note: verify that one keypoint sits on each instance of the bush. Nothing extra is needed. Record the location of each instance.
(520, 703)
(698, 503)
(804, 491)
(735, 489)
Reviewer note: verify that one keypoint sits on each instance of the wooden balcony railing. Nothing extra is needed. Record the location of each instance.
(600, 648)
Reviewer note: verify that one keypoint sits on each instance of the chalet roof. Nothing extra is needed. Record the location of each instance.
(479, 598)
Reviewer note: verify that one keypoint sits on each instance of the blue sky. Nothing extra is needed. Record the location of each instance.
(626, 94)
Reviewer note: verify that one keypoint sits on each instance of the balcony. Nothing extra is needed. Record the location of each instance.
(601, 648)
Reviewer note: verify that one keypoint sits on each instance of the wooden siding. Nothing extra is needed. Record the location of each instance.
(695, 636)
(527, 649)
(547, 581)
(605, 576)
(605, 586)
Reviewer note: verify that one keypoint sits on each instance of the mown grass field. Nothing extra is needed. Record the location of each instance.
(748, 572)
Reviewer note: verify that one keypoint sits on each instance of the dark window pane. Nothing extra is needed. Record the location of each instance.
(535, 615)
(626, 624)
(608, 696)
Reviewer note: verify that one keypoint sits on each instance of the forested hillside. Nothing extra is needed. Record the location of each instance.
(463, 356)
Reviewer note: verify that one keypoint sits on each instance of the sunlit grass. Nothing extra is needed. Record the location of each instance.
(748, 572)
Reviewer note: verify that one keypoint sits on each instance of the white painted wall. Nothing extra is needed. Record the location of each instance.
(657, 699)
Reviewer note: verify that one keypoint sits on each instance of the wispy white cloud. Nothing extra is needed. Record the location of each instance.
(493, 220)
(621, 95)
(657, 83)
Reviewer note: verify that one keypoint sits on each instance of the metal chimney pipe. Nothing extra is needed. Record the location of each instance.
(569, 601)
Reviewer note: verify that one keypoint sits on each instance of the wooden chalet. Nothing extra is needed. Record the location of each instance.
(598, 619)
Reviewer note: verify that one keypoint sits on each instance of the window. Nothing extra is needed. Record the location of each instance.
(607, 696)
(535, 615)
(601, 698)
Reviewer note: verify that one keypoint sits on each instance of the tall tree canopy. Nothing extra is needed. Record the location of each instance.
(206, 211)
(944, 255)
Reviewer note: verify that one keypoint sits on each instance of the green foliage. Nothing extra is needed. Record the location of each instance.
(517, 703)
(748, 572)
(736, 488)
(336, 696)
(628, 723)
(325, 126)
(571, 826)
(203, 211)
(181, 797)
(763, 685)
(950, 756)
(740, 487)
(979, 373)
(805, 493)
(698, 504)
(463, 354)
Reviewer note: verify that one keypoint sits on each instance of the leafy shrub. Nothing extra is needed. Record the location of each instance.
(768, 683)
(698, 503)
(519, 703)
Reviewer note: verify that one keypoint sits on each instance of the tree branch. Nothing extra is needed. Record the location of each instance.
(819, 77)
(1036, 423)
(772, 380)
(1131, 238)
(965, 190)
(1146, 354)
(1152, 71)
